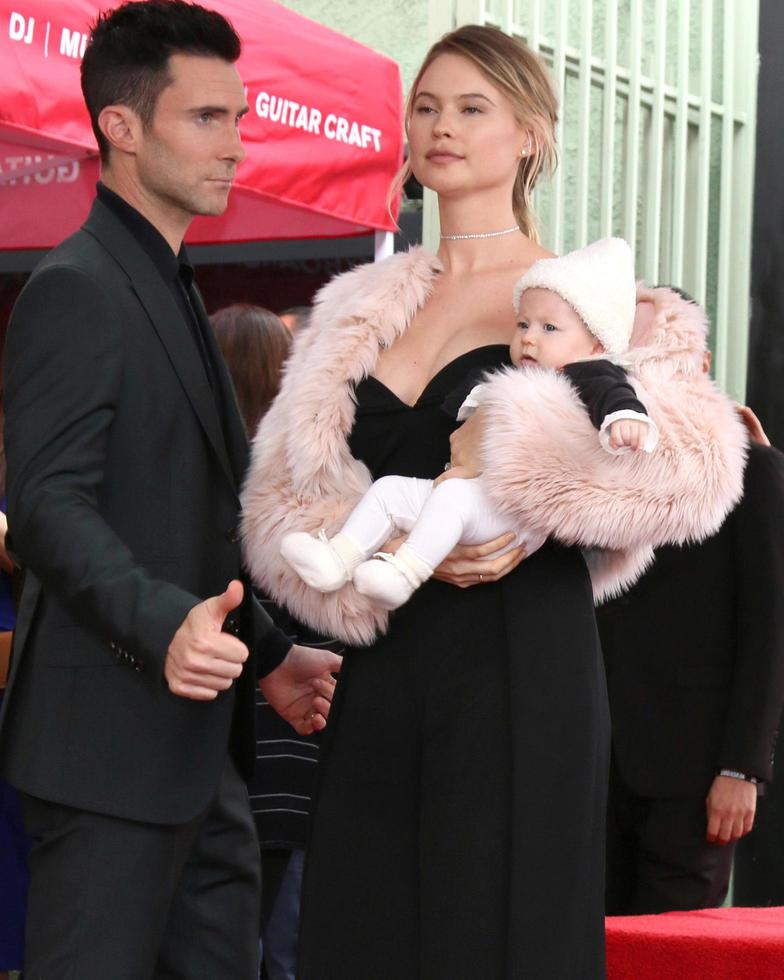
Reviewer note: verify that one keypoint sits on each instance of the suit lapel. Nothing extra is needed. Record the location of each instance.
(166, 319)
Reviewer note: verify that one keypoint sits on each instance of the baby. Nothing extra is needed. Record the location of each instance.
(569, 309)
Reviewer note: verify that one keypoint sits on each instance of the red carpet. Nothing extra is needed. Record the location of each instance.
(712, 944)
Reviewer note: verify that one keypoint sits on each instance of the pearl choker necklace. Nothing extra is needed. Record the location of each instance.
(479, 234)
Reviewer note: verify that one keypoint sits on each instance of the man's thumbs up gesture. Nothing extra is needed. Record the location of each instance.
(203, 660)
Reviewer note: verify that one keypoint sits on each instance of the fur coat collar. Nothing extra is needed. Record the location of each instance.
(543, 463)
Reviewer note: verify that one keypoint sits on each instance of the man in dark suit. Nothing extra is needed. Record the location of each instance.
(128, 721)
(695, 673)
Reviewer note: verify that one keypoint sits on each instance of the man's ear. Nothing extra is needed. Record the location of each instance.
(121, 127)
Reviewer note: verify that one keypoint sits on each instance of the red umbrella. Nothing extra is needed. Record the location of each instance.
(323, 135)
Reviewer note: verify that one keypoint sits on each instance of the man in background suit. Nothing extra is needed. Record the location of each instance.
(695, 672)
(128, 721)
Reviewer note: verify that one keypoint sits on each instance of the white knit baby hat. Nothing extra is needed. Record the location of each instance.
(597, 282)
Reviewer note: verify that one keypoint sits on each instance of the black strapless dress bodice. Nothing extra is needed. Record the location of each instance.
(391, 437)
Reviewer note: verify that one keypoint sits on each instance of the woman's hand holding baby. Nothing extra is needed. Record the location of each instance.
(469, 564)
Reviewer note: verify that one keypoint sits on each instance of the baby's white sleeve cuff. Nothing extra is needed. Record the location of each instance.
(651, 438)
(471, 404)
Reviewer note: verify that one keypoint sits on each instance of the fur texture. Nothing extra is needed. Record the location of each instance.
(543, 461)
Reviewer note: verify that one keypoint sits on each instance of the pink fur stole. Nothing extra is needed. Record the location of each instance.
(544, 464)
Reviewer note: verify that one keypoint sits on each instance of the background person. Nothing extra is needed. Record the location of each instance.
(128, 722)
(695, 673)
(14, 844)
(294, 318)
(255, 344)
(459, 825)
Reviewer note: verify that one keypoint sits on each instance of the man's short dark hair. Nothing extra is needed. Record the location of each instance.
(126, 61)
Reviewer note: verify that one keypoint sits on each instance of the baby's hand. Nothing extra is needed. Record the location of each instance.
(628, 432)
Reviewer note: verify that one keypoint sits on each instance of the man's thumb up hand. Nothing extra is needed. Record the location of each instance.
(202, 660)
(218, 607)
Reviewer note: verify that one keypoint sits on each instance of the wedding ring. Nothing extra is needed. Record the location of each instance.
(447, 466)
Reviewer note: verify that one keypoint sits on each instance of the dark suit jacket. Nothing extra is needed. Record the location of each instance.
(122, 506)
(695, 651)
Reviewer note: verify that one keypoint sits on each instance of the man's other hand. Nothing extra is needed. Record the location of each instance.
(300, 688)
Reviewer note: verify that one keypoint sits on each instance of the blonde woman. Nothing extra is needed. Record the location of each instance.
(459, 829)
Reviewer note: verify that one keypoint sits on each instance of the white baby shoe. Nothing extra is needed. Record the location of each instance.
(390, 580)
(317, 561)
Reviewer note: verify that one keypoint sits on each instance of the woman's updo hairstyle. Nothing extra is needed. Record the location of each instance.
(522, 77)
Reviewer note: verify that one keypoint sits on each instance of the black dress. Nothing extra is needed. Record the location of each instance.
(459, 824)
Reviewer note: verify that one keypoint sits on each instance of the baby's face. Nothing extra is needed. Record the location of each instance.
(549, 332)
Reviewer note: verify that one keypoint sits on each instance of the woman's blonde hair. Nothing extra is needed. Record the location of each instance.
(522, 77)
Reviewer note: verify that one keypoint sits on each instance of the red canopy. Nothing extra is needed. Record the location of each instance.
(323, 137)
